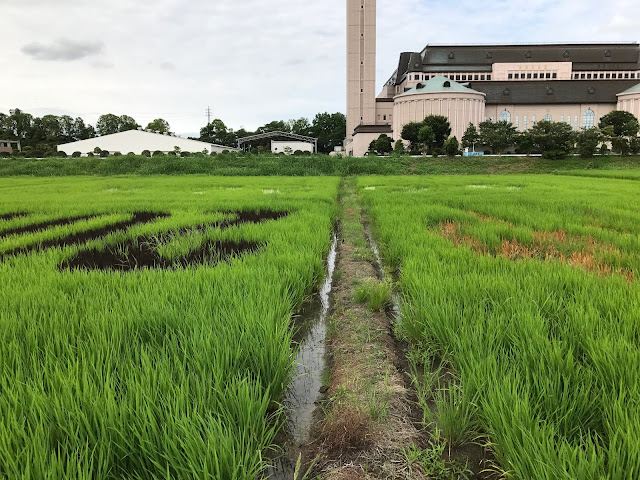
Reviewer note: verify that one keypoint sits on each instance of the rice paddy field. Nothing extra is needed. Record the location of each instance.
(526, 289)
(145, 324)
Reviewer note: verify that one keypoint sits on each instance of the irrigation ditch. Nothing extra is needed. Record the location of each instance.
(306, 389)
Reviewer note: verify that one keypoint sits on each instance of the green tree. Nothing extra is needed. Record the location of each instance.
(524, 143)
(301, 126)
(372, 148)
(553, 139)
(275, 126)
(108, 124)
(588, 140)
(330, 130)
(398, 148)
(410, 132)
(426, 137)
(451, 146)
(624, 124)
(80, 131)
(217, 132)
(159, 125)
(125, 123)
(52, 129)
(440, 127)
(18, 124)
(471, 137)
(384, 144)
(497, 135)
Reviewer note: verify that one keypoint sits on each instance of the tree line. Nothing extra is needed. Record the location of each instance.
(40, 136)
(617, 131)
(329, 128)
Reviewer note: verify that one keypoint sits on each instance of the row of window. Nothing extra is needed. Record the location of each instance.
(533, 75)
(457, 77)
(588, 119)
(605, 75)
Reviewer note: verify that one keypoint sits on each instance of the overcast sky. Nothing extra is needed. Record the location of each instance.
(251, 61)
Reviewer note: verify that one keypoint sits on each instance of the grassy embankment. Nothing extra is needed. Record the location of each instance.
(526, 290)
(264, 165)
(153, 373)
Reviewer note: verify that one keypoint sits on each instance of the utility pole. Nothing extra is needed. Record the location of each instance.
(208, 115)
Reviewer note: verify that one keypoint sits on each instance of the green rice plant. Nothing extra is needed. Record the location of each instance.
(153, 373)
(455, 415)
(376, 294)
(546, 351)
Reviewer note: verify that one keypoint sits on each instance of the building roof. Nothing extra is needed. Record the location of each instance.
(373, 129)
(552, 92)
(439, 84)
(634, 89)
(480, 58)
(134, 140)
(277, 135)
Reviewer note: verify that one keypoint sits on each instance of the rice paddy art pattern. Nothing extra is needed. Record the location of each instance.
(143, 251)
(585, 252)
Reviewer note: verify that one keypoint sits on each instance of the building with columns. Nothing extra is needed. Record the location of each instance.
(521, 84)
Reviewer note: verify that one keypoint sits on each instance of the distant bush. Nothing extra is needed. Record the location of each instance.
(117, 154)
(185, 154)
(451, 146)
(213, 154)
(90, 154)
(171, 154)
(298, 153)
(146, 153)
(131, 153)
(555, 154)
(5, 154)
(225, 151)
(157, 153)
(104, 153)
(61, 154)
(50, 154)
(76, 154)
(97, 150)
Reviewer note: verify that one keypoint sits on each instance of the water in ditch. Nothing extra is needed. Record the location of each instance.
(304, 391)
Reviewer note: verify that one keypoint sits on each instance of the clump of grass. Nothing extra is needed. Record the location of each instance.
(456, 415)
(431, 462)
(376, 294)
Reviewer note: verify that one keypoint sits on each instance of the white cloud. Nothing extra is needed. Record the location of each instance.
(252, 61)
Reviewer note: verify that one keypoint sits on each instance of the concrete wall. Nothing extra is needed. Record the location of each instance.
(384, 113)
(360, 144)
(559, 113)
(630, 102)
(284, 146)
(9, 145)
(137, 141)
(562, 71)
(461, 108)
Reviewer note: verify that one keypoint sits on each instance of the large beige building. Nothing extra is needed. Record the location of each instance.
(522, 84)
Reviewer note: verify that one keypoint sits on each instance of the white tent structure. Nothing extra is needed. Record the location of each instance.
(137, 141)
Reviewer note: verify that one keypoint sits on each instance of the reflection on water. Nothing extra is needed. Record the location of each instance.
(304, 390)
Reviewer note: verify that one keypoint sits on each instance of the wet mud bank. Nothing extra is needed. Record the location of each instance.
(306, 389)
